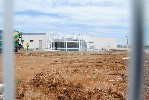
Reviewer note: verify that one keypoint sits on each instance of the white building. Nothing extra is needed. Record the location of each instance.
(35, 40)
(63, 42)
(100, 43)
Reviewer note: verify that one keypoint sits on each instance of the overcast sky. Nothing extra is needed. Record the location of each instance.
(106, 18)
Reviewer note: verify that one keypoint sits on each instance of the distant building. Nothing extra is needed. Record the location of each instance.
(35, 40)
(100, 43)
(63, 42)
(78, 42)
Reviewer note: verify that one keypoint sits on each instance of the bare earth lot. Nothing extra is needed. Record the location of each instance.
(71, 76)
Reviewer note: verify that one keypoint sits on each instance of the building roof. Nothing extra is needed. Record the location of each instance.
(33, 33)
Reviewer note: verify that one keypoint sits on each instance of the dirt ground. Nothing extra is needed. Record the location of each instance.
(72, 76)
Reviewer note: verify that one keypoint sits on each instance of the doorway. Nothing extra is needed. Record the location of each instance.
(40, 44)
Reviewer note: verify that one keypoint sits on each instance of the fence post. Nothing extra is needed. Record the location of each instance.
(136, 72)
(8, 51)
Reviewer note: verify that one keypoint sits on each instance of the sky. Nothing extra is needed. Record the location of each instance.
(103, 18)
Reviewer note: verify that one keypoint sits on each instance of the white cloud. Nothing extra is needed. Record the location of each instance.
(91, 14)
(70, 16)
(88, 16)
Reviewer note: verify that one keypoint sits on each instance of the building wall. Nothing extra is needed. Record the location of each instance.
(98, 43)
(35, 43)
(93, 43)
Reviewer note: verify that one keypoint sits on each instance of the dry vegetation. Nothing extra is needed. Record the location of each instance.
(72, 76)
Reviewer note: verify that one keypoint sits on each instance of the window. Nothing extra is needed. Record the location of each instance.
(72, 45)
(91, 42)
(31, 40)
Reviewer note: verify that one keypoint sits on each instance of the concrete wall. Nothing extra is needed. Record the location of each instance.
(99, 42)
(35, 44)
